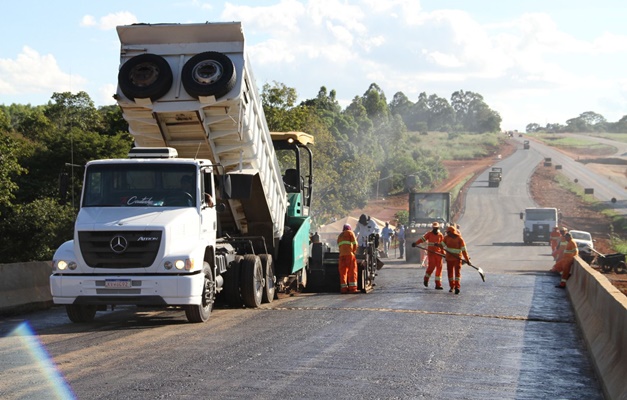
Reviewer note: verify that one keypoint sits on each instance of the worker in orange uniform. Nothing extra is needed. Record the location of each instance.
(347, 242)
(455, 248)
(555, 237)
(434, 254)
(559, 250)
(566, 262)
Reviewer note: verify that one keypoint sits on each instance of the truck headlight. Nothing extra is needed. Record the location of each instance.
(180, 264)
(62, 265)
(187, 264)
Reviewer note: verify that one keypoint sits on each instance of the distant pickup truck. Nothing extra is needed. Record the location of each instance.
(526, 145)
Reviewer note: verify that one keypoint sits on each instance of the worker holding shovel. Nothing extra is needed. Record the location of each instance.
(455, 248)
(434, 254)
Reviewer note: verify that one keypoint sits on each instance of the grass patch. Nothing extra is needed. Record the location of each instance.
(463, 146)
(575, 144)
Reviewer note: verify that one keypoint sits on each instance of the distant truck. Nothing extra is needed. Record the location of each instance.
(495, 177)
(526, 145)
(538, 224)
(424, 209)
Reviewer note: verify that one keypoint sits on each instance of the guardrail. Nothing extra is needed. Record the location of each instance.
(25, 287)
(601, 312)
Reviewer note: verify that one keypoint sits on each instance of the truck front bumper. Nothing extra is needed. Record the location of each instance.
(127, 289)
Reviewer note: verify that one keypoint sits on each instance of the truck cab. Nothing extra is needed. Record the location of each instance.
(538, 223)
(424, 209)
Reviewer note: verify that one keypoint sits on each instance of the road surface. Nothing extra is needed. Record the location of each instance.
(511, 337)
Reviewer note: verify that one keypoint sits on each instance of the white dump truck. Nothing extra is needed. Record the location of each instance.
(201, 209)
(539, 222)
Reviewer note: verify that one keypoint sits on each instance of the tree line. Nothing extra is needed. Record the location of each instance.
(369, 145)
(588, 121)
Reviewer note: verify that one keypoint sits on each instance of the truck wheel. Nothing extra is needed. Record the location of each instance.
(201, 312)
(231, 290)
(80, 313)
(252, 280)
(145, 76)
(269, 286)
(208, 74)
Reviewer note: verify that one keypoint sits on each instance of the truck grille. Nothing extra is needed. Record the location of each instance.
(119, 249)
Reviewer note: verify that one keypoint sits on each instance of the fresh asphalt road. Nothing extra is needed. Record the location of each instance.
(511, 337)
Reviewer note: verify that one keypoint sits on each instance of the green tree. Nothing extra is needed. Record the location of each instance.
(33, 231)
(113, 123)
(441, 116)
(67, 110)
(375, 104)
(9, 170)
(533, 127)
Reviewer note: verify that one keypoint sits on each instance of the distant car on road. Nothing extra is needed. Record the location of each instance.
(584, 241)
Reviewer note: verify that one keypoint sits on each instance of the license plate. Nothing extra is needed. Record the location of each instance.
(118, 283)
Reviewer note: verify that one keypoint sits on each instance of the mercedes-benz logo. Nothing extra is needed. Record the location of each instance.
(118, 244)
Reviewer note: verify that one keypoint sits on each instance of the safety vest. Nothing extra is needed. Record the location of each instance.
(347, 243)
(455, 247)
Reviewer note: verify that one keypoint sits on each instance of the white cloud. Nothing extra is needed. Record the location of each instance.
(109, 21)
(88, 20)
(105, 94)
(32, 72)
(281, 18)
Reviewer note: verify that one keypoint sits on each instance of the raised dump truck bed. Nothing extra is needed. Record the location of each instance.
(190, 87)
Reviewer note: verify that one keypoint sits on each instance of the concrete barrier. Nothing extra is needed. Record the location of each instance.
(25, 287)
(601, 312)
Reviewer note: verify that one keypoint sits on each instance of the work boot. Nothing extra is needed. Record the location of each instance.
(450, 290)
(426, 282)
(439, 288)
(456, 291)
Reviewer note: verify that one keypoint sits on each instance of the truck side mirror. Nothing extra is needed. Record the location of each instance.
(522, 215)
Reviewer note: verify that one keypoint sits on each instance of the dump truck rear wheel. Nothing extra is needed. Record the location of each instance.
(208, 74)
(252, 281)
(231, 290)
(146, 76)
(269, 287)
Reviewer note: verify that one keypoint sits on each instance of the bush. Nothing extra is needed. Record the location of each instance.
(33, 232)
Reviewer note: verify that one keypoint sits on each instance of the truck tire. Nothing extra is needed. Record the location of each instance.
(201, 312)
(146, 76)
(232, 294)
(80, 313)
(252, 281)
(208, 74)
(269, 287)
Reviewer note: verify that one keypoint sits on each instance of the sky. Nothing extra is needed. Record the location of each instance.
(533, 61)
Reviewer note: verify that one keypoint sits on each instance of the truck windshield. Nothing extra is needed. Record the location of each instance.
(541, 215)
(140, 185)
(429, 207)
